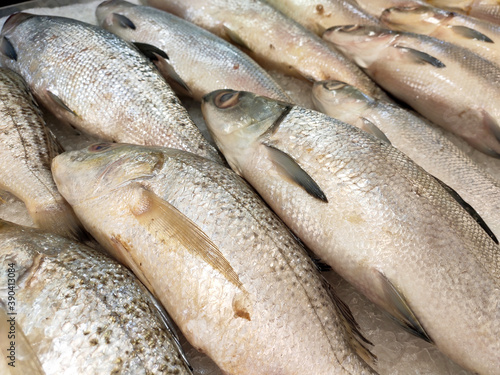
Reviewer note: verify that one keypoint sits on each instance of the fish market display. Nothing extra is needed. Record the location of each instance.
(378, 219)
(97, 82)
(441, 24)
(422, 141)
(376, 7)
(271, 39)
(251, 299)
(203, 61)
(451, 86)
(319, 16)
(26, 152)
(488, 10)
(77, 311)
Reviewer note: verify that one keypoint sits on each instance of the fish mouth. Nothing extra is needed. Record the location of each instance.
(14, 20)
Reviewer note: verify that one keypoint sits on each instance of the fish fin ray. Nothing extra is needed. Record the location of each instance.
(150, 51)
(171, 76)
(421, 57)
(165, 221)
(8, 49)
(469, 33)
(60, 103)
(292, 170)
(401, 311)
(123, 21)
(373, 129)
(235, 38)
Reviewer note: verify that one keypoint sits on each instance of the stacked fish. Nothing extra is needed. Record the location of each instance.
(382, 194)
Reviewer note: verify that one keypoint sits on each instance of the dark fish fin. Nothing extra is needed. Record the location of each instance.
(371, 128)
(469, 33)
(8, 49)
(421, 57)
(491, 124)
(401, 311)
(150, 51)
(165, 222)
(235, 38)
(294, 172)
(470, 210)
(59, 102)
(355, 337)
(123, 21)
(320, 265)
(168, 72)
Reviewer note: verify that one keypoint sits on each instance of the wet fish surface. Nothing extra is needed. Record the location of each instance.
(488, 10)
(26, 153)
(376, 7)
(203, 61)
(441, 81)
(78, 311)
(239, 286)
(378, 219)
(425, 143)
(97, 82)
(271, 38)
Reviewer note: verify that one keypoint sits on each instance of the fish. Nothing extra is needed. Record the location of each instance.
(203, 61)
(319, 16)
(270, 38)
(233, 278)
(75, 310)
(379, 220)
(423, 142)
(439, 80)
(488, 10)
(26, 154)
(376, 7)
(439, 24)
(97, 82)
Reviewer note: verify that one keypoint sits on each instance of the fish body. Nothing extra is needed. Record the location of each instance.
(319, 16)
(26, 153)
(488, 10)
(378, 219)
(79, 311)
(97, 82)
(271, 38)
(422, 141)
(439, 80)
(376, 7)
(231, 275)
(203, 61)
(440, 24)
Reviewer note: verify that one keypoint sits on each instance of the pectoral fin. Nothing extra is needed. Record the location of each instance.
(235, 38)
(400, 310)
(150, 51)
(420, 57)
(8, 49)
(371, 128)
(292, 171)
(165, 222)
(123, 21)
(60, 103)
(469, 33)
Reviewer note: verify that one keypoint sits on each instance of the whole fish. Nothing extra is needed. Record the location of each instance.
(228, 271)
(203, 61)
(422, 141)
(97, 82)
(26, 153)
(380, 221)
(439, 24)
(376, 7)
(271, 38)
(319, 16)
(77, 311)
(451, 86)
(488, 10)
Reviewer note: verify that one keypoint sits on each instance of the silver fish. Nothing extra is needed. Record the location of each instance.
(489, 10)
(203, 61)
(438, 79)
(271, 38)
(228, 271)
(378, 219)
(26, 153)
(97, 82)
(376, 7)
(77, 311)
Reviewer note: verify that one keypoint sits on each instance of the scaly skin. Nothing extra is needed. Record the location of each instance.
(384, 216)
(488, 10)
(376, 7)
(112, 91)
(278, 318)
(82, 312)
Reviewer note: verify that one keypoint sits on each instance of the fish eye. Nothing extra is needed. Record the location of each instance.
(334, 85)
(227, 99)
(99, 147)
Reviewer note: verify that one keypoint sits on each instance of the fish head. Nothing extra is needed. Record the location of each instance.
(335, 97)
(238, 119)
(110, 15)
(362, 43)
(417, 19)
(94, 171)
